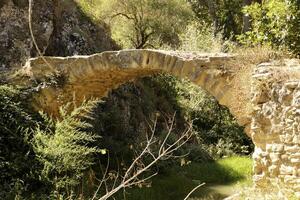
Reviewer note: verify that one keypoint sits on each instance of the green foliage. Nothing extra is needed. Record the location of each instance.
(293, 39)
(197, 37)
(268, 23)
(218, 132)
(142, 23)
(38, 155)
(274, 23)
(64, 147)
(17, 160)
(224, 16)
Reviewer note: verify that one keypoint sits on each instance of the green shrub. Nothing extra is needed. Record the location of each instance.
(65, 148)
(200, 37)
(274, 23)
(17, 161)
(293, 38)
(41, 155)
(268, 23)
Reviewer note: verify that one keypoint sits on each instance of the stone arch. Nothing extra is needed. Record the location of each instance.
(274, 100)
(93, 76)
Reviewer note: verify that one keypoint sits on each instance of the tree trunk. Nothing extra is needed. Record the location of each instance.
(213, 14)
(246, 18)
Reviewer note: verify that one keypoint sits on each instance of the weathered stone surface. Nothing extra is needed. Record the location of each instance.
(16, 45)
(276, 114)
(60, 29)
(95, 75)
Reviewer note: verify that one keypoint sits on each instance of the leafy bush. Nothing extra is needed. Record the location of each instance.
(64, 147)
(293, 38)
(39, 154)
(268, 23)
(274, 23)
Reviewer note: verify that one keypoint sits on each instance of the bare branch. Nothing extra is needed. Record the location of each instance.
(137, 167)
(193, 190)
(103, 178)
(123, 15)
(32, 35)
(167, 136)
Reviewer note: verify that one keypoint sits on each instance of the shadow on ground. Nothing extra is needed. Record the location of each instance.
(221, 178)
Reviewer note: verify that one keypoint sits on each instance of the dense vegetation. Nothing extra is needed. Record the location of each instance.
(59, 155)
(42, 157)
(141, 24)
(17, 159)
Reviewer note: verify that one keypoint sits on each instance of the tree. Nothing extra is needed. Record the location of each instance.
(143, 23)
(275, 23)
(225, 16)
(246, 17)
(293, 38)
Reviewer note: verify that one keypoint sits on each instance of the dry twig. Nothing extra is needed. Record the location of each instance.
(137, 167)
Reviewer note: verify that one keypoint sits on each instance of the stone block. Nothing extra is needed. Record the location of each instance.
(289, 179)
(292, 149)
(295, 160)
(286, 170)
(277, 147)
(291, 84)
(273, 170)
(275, 157)
(296, 139)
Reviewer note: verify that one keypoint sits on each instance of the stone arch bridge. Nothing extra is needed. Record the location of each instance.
(263, 98)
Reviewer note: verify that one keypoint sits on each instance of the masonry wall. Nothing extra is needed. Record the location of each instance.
(275, 126)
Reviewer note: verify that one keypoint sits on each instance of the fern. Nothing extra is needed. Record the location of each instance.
(64, 146)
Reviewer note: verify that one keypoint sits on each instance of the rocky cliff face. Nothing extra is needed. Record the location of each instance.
(60, 28)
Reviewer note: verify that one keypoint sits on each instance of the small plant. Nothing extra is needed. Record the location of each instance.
(198, 37)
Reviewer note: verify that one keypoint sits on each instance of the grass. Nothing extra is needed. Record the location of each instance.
(224, 174)
(224, 171)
